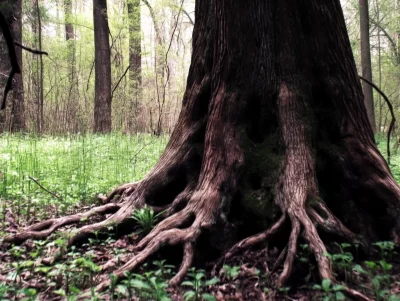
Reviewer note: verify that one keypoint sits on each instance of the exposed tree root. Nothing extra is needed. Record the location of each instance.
(255, 239)
(291, 253)
(171, 237)
(45, 228)
(297, 195)
(122, 191)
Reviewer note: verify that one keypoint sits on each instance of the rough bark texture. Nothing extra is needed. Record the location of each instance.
(135, 55)
(13, 118)
(366, 61)
(102, 102)
(18, 106)
(273, 131)
(69, 27)
(72, 102)
(4, 60)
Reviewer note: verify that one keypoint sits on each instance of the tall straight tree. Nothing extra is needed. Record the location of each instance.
(69, 27)
(18, 107)
(72, 103)
(273, 135)
(366, 61)
(102, 101)
(135, 54)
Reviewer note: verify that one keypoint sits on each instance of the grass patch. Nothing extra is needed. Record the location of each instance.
(74, 167)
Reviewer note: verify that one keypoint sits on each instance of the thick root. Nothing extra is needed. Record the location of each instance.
(255, 239)
(301, 221)
(114, 220)
(291, 253)
(45, 228)
(170, 237)
(122, 191)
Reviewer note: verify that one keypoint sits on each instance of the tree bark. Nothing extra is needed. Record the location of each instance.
(72, 102)
(69, 27)
(273, 131)
(16, 119)
(18, 122)
(366, 61)
(102, 102)
(135, 56)
(5, 65)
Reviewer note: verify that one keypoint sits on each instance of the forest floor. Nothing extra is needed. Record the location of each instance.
(52, 176)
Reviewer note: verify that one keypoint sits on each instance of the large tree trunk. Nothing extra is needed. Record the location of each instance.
(273, 130)
(102, 102)
(366, 61)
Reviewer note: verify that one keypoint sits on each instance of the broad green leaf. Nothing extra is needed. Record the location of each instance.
(189, 295)
(359, 269)
(122, 289)
(199, 276)
(208, 297)
(326, 283)
(139, 284)
(188, 283)
(212, 281)
(340, 296)
(338, 287)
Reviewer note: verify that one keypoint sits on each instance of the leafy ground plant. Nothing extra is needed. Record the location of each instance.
(147, 286)
(146, 218)
(230, 272)
(332, 292)
(197, 284)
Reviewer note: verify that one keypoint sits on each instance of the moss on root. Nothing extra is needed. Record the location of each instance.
(263, 162)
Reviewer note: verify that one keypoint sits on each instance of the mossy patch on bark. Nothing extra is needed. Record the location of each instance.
(263, 163)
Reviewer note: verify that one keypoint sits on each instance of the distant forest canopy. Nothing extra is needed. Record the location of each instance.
(149, 54)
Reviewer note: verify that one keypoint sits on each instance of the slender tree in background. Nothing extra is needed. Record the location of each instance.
(273, 131)
(135, 55)
(73, 94)
(37, 78)
(160, 67)
(366, 61)
(69, 27)
(102, 101)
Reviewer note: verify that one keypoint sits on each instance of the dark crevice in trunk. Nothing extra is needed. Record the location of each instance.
(174, 183)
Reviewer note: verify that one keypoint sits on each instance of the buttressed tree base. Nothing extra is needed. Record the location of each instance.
(273, 128)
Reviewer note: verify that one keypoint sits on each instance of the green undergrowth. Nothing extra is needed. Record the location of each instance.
(80, 270)
(74, 168)
(381, 142)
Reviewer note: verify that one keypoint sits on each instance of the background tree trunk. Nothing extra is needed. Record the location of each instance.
(135, 58)
(69, 27)
(18, 106)
(72, 102)
(15, 121)
(38, 77)
(5, 65)
(366, 61)
(102, 102)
